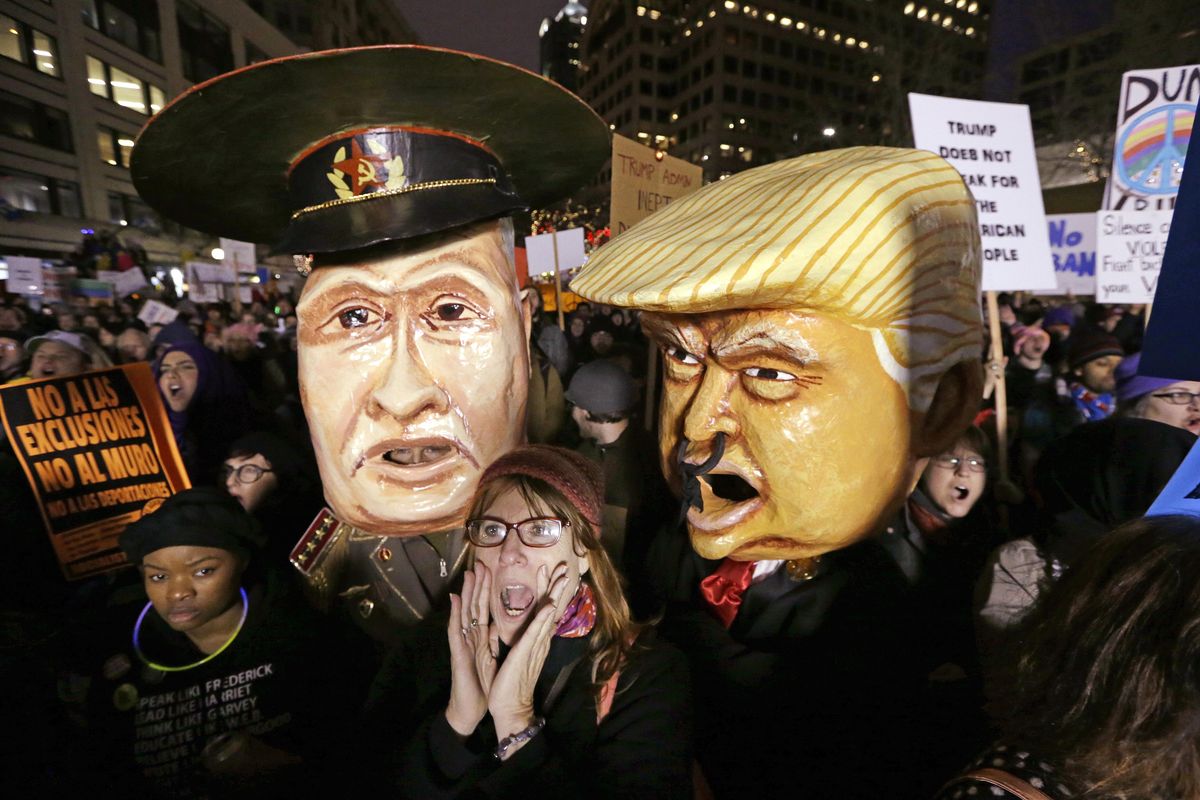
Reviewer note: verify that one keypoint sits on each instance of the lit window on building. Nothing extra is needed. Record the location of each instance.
(11, 45)
(127, 90)
(124, 89)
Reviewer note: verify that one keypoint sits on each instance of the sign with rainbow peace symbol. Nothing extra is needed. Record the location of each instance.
(1155, 118)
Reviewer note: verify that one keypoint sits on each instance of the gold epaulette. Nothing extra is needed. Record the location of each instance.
(319, 554)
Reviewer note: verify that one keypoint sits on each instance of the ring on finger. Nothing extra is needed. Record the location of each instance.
(474, 623)
(464, 631)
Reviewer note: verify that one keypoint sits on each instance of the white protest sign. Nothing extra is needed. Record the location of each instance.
(25, 276)
(204, 272)
(1155, 117)
(539, 250)
(156, 313)
(1073, 248)
(239, 256)
(1129, 253)
(205, 281)
(991, 145)
(124, 283)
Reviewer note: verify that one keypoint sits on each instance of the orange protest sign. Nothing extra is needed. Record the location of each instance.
(98, 452)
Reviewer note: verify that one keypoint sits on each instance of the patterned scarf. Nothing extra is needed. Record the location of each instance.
(1095, 407)
(580, 615)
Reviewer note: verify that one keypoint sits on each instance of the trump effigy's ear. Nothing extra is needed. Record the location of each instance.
(954, 405)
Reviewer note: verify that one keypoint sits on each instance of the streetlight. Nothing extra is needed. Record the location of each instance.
(218, 254)
(829, 131)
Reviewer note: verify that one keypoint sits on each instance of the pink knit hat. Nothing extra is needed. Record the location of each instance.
(577, 478)
(1021, 334)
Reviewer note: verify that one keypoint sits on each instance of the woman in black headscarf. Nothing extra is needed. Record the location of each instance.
(206, 404)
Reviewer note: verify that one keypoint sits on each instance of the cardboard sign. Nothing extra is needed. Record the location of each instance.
(1154, 124)
(1172, 343)
(1181, 495)
(157, 313)
(642, 182)
(206, 281)
(239, 256)
(25, 276)
(1073, 248)
(1129, 253)
(991, 145)
(98, 452)
(541, 256)
(124, 283)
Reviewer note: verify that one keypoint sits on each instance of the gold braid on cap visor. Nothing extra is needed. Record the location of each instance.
(416, 187)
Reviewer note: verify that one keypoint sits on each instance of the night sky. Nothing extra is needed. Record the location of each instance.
(503, 29)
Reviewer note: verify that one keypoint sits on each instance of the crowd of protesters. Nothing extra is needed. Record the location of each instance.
(1060, 649)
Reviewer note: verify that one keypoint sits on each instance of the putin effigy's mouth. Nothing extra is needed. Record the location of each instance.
(408, 456)
(415, 457)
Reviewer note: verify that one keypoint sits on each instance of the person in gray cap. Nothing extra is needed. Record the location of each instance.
(59, 354)
(602, 397)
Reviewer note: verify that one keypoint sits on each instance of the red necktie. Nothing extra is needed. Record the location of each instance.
(723, 589)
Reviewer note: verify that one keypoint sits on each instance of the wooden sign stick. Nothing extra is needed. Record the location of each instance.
(557, 284)
(996, 363)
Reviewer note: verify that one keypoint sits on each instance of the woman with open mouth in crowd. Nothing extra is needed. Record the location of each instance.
(206, 404)
(539, 683)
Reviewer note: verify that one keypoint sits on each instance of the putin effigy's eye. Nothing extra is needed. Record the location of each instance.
(449, 308)
(768, 374)
(450, 311)
(354, 317)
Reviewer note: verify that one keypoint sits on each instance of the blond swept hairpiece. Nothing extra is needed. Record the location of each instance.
(885, 238)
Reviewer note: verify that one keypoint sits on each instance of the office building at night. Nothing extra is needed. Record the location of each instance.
(559, 41)
(731, 85)
(79, 79)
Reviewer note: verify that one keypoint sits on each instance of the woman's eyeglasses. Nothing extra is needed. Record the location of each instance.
(1179, 398)
(952, 462)
(534, 532)
(246, 473)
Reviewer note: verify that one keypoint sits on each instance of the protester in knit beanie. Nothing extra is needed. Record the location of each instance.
(1088, 344)
(577, 478)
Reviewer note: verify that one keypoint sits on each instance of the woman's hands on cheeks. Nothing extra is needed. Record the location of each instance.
(473, 648)
(510, 701)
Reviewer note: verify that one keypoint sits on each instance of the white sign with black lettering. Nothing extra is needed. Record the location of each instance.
(991, 145)
(25, 276)
(1129, 253)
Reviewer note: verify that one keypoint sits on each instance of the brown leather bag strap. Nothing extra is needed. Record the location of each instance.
(1005, 780)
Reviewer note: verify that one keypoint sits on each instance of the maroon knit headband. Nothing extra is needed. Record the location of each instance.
(577, 478)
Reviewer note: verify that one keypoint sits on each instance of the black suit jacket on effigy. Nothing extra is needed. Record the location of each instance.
(817, 688)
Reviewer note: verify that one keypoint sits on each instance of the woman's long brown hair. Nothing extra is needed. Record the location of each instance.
(1108, 667)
